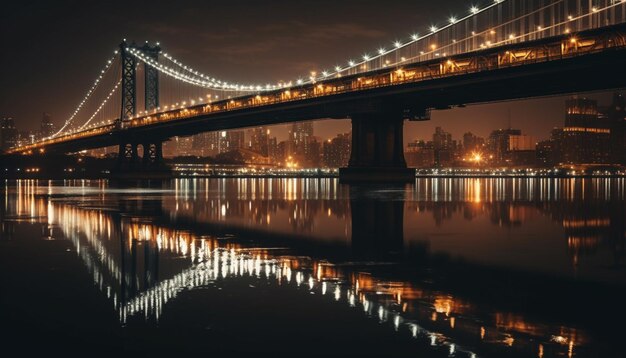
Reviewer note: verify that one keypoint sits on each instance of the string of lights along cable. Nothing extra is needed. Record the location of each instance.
(479, 26)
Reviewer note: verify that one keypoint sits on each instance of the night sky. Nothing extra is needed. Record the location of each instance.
(53, 50)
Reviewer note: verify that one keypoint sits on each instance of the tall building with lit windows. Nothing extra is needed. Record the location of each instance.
(230, 140)
(257, 140)
(586, 137)
(336, 151)
(300, 134)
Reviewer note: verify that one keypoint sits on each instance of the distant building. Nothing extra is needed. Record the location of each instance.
(211, 143)
(231, 140)
(285, 152)
(336, 151)
(472, 143)
(258, 140)
(47, 127)
(313, 153)
(586, 134)
(272, 150)
(8, 133)
(300, 134)
(522, 150)
(199, 143)
(442, 139)
(521, 142)
(498, 144)
(179, 147)
(26, 138)
(444, 148)
(420, 154)
(549, 151)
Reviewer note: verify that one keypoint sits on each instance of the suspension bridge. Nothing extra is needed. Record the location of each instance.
(502, 50)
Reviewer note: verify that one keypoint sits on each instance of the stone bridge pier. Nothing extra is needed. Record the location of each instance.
(129, 160)
(377, 149)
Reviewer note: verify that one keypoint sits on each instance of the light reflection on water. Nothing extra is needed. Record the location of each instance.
(145, 246)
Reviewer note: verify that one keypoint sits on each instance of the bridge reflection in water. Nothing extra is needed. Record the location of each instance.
(387, 251)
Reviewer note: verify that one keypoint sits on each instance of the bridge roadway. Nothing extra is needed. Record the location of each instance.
(378, 102)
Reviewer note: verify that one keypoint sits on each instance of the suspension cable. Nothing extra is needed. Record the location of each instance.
(93, 88)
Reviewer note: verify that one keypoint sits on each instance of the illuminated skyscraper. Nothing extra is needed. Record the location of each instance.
(586, 134)
(258, 140)
(336, 151)
(299, 135)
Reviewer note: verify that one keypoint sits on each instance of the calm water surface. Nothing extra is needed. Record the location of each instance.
(304, 267)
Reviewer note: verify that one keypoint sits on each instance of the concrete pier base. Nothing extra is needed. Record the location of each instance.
(377, 149)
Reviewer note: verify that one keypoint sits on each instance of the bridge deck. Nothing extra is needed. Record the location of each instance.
(586, 55)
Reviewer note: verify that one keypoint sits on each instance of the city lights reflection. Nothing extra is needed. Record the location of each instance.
(141, 258)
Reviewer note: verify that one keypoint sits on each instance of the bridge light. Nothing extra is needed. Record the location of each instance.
(381, 51)
(474, 9)
(452, 19)
(573, 40)
(397, 44)
(433, 28)
(366, 57)
(337, 68)
(414, 37)
(351, 63)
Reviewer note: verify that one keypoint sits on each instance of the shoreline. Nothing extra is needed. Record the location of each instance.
(304, 176)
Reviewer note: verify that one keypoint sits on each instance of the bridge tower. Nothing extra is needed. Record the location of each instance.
(151, 77)
(129, 79)
(128, 152)
(129, 83)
